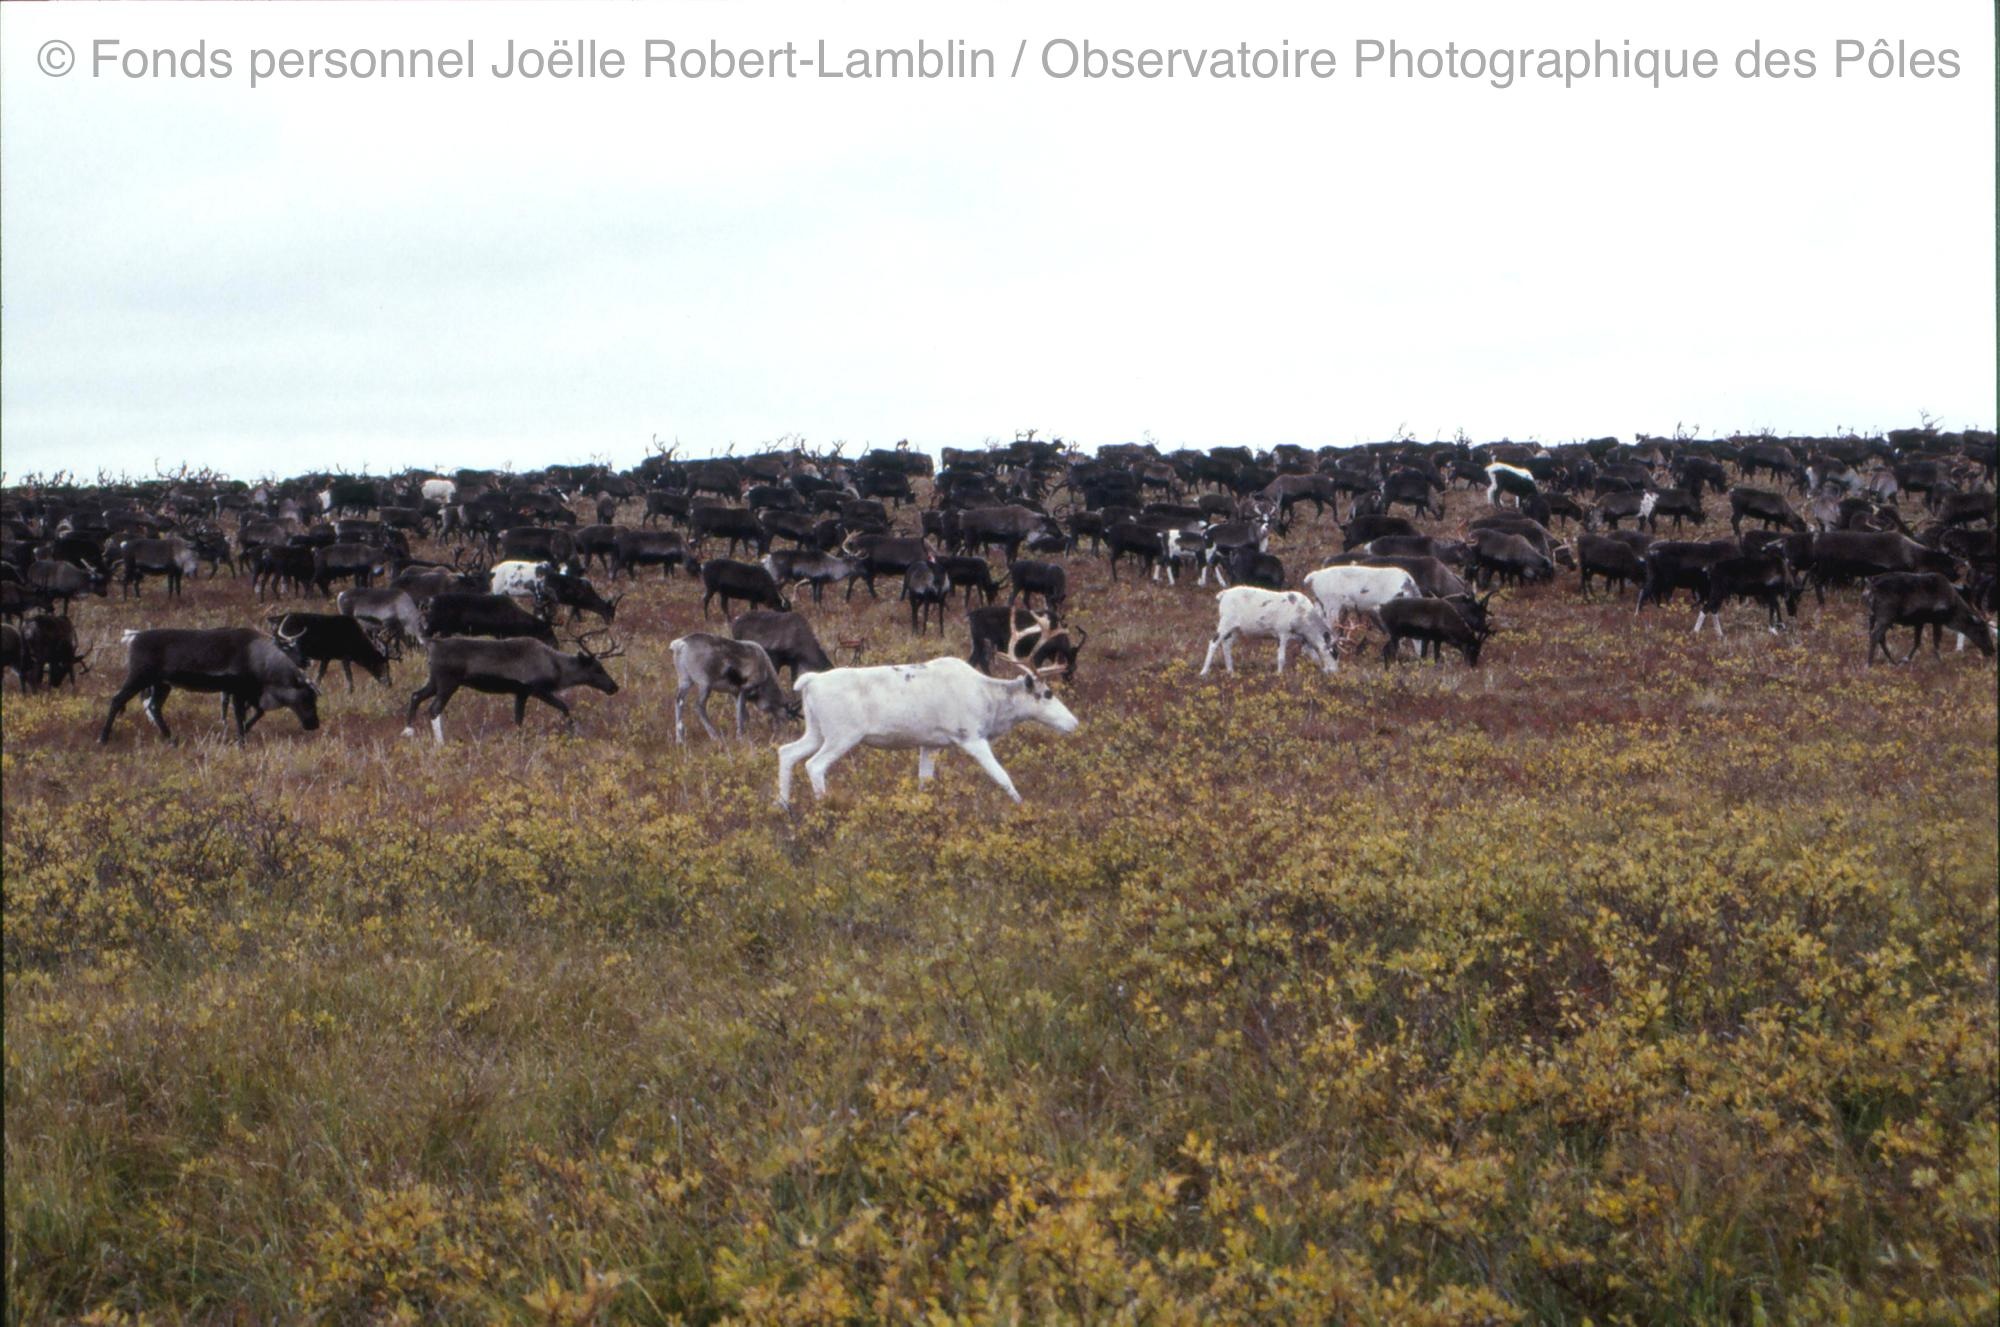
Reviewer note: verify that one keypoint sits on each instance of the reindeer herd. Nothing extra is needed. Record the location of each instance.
(1908, 517)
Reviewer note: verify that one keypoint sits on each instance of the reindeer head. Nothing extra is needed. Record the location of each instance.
(387, 642)
(590, 661)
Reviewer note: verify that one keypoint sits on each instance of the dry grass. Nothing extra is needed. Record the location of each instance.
(1630, 977)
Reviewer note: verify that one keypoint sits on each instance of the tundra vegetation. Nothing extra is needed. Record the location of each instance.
(1631, 976)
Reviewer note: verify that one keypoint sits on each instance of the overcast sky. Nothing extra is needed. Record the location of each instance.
(340, 274)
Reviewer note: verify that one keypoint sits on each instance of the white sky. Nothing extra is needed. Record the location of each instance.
(482, 272)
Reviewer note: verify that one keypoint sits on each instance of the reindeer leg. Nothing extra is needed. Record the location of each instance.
(822, 761)
(424, 693)
(789, 755)
(981, 751)
(156, 700)
(118, 703)
(555, 702)
(438, 702)
(701, 711)
(1209, 658)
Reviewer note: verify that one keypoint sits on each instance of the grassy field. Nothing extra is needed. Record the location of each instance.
(1629, 977)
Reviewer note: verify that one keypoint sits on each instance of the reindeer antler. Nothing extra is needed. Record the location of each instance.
(617, 647)
(1352, 628)
(1017, 634)
(1046, 633)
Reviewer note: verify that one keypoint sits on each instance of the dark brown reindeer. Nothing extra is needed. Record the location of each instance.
(251, 671)
(787, 637)
(523, 669)
(1917, 600)
(1462, 623)
(1003, 629)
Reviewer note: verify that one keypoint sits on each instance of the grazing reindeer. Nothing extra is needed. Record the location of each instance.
(64, 581)
(1245, 611)
(1031, 632)
(705, 663)
(1359, 592)
(330, 638)
(252, 672)
(48, 648)
(1918, 600)
(1461, 623)
(787, 637)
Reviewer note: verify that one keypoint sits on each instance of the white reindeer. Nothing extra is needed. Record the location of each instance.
(1244, 610)
(945, 702)
(1359, 591)
(522, 578)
